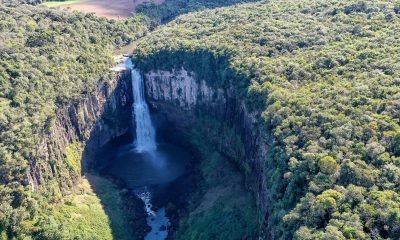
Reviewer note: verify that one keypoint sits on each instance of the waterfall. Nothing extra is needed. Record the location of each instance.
(145, 133)
(146, 142)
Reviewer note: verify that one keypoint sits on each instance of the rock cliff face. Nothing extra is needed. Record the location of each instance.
(182, 99)
(86, 126)
(179, 96)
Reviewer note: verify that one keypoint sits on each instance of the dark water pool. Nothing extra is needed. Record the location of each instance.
(158, 178)
(148, 169)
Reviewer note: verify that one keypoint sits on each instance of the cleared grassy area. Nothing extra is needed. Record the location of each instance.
(59, 3)
(93, 211)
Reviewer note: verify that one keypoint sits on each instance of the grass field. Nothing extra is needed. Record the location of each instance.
(84, 214)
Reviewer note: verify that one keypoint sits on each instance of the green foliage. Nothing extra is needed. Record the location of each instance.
(324, 76)
(83, 215)
(222, 221)
(73, 154)
(169, 9)
(49, 3)
(222, 137)
(48, 59)
(328, 165)
(221, 207)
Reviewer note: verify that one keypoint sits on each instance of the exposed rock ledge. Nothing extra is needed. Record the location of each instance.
(182, 99)
(91, 122)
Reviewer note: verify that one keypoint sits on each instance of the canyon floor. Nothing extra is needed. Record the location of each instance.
(116, 9)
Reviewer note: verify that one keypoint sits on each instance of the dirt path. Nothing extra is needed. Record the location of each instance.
(112, 9)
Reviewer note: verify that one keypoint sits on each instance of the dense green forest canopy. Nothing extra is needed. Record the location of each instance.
(48, 58)
(325, 76)
(172, 8)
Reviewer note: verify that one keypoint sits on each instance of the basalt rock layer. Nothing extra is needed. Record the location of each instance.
(186, 102)
(79, 130)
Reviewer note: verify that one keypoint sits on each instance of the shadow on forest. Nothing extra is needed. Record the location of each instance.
(169, 9)
(125, 212)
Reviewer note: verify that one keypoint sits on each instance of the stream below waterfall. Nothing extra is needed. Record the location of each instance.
(157, 173)
(158, 179)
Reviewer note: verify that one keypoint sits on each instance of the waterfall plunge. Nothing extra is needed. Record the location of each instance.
(146, 143)
(145, 133)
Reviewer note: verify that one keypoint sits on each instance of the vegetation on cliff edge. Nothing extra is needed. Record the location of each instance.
(324, 76)
(48, 59)
(221, 207)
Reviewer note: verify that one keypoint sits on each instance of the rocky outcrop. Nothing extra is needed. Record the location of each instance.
(87, 125)
(183, 89)
(183, 98)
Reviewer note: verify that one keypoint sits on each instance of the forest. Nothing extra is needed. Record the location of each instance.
(323, 76)
(170, 9)
(48, 58)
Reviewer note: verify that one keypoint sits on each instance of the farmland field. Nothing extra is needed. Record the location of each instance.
(58, 3)
(116, 9)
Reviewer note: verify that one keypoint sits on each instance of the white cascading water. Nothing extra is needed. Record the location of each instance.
(145, 133)
(146, 142)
